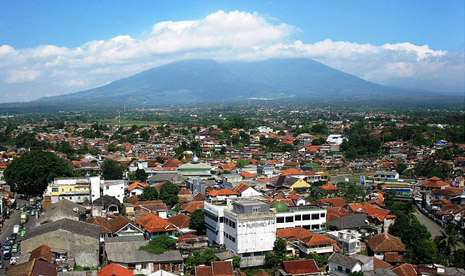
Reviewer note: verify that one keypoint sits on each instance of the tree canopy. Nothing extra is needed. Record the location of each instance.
(197, 221)
(169, 193)
(149, 193)
(31, 173)
(111, 170)
(160, 244)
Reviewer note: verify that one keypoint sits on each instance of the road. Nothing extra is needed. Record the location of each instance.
(7, 230)
(432, 227)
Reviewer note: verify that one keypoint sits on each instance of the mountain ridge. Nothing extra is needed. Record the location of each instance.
(205, 80)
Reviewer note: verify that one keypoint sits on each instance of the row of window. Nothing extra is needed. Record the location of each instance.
(229, 237)
(300, 218)
(260, 253)
(230, 223)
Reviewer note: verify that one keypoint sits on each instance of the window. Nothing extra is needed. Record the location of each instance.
(339, 268)
(280, 220)
(255, 209)
(315, 216)
(323, 215)
(143, 266)
(55, 190)
(221, 219)
(79, 197)
(70, 198)
(108, 187)
(289, 219)
(131, 266)
(298, 217)
(347, 270)
(62, 189)
(246, 255)
(306, 217)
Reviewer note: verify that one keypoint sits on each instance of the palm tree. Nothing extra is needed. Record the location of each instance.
(447, 241)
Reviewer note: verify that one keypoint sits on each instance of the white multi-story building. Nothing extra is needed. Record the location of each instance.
(247, 227)
(114, 188)
(307, 217)
(350, 241)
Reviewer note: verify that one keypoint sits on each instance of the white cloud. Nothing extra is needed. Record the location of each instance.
(51, 70)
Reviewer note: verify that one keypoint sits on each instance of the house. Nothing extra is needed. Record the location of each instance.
(190, 207)
(340, 264)
(350, 241)
(218, 268)
(154, 225)
(114, 188)
(136, 188)
(106, 205)
(245, 190)
(181, 222)
(74, 239)
(157, 207)
(306, 241)
(383, 244)
(115, 270)
(349, 221)
(332, 202)
(191, 241)
(125, 252)
(329, 188)
(60, 210)
(427, 187)
(33, 267)
(222, 194)
(300, 267)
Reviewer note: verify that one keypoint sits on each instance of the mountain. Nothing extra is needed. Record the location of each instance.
(200, 81)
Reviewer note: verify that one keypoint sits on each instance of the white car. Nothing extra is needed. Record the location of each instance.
(13, 261)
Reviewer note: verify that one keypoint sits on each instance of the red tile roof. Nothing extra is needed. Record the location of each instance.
(190, 207)
(405, 270)
(385, 243)
(222, 192)
(333, 202)
(300, 267)
(115, 270)
(181, 221)
(42, 252)
(247, 174)
(240, 188)
(137, 185)
(330, 187)
(379, 264)
(222, 268)
(434, 182)
(203, 271)
(153, 224)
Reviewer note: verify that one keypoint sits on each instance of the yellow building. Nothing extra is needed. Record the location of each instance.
(300, 185)
(75, 189)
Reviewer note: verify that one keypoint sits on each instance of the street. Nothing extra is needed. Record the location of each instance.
(7, 230)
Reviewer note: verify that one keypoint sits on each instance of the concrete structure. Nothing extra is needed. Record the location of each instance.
(335, 139)
(75, 189)
(246, 227)
(195, 169)
(68, 239)
(61, 210)
(348, 240)
(125, 252)
(307, 217)
(344, 265)
(114, 188)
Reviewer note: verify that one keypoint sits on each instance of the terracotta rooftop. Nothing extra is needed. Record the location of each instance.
(385, 243)
(300, 267)
(115, 270)
(153, 224)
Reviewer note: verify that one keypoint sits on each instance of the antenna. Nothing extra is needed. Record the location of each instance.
(119, 119)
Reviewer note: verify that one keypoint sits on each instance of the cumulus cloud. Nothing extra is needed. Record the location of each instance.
(50, 70)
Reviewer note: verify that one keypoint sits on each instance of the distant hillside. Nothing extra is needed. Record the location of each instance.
(203, 81)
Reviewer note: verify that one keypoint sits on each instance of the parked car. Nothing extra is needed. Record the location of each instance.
(7, 250)
(15, 248)
(1, 264)
(13, 261)
(7, 256)
(13, 236)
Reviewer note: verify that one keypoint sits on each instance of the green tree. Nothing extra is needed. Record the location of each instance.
(141, 175)
(357, 273)
(271, 260)
(31, 173)
(447, 241)
(401, 167)
(196, 258)
(112, 147)
(111, 170)
(236, 262)
(320, 259)
(197, 221)
(169, 193)
(279, 249)
(458, 258)
(423, 252)
(242, 163)
(160, 244)
(65, 148)
(27, 140)
(149, 193)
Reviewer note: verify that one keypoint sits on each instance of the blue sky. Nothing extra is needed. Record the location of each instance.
(410, 40)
